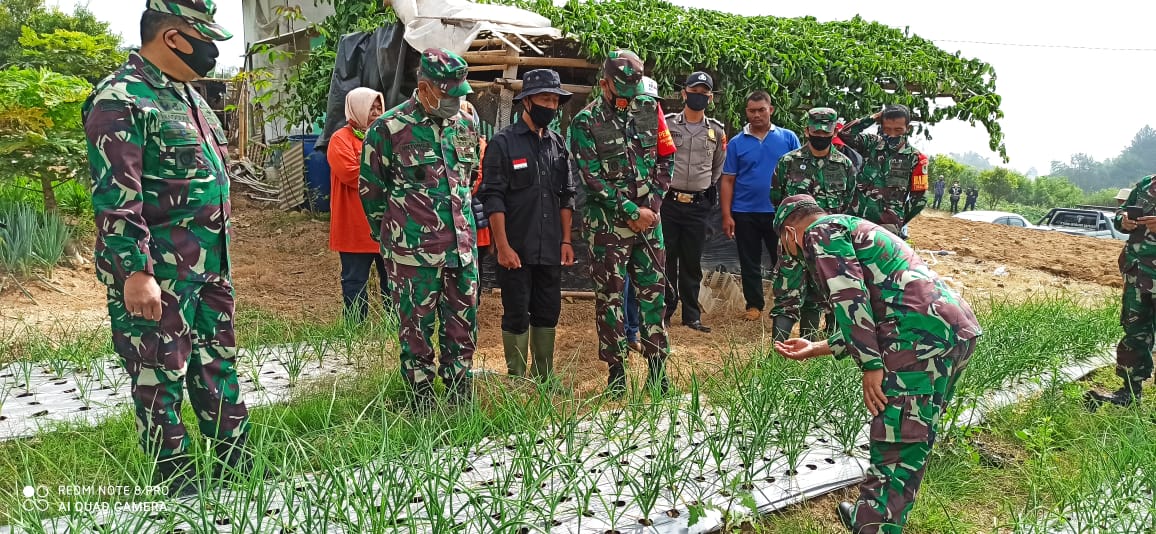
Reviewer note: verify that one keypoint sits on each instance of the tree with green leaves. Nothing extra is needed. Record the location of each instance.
(999, 184)
(15, 15)
(952, 171)
(71, 53)
(41, 134)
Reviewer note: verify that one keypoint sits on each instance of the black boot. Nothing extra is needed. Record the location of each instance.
(178, 474)
(782, 326)
(846, 512)
(461, 392)
(656, 375)
(1125, 396)
(809, 324)
(421, 398)
(616, 381)
(234, 460)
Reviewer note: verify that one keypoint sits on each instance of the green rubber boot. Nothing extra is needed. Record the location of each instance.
(542, 347)
(516, 346)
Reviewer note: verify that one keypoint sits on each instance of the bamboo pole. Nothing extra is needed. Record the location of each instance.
(516, 85)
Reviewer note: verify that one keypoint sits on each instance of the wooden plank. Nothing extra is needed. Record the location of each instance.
(487, 68)
(561, 62)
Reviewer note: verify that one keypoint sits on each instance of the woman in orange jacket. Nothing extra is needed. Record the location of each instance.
(348, 228)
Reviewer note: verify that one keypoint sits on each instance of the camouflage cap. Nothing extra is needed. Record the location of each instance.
(787, 207)
(822, 119)
(447, 70)
(199, 13)
(625, 69)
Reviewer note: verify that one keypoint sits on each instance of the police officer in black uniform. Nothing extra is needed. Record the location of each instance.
(698, 164)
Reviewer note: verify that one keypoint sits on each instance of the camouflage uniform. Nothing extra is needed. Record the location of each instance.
(893, 313)
(160, 195)
(830, 180)
(415, 187)
(1138, 265)
(893, 183)
(617, 156)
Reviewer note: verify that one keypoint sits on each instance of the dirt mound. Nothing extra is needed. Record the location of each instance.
(1067, 256)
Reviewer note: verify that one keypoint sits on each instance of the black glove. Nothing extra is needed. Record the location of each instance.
(480, 218)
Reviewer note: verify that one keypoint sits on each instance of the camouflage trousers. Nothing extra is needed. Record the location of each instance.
(643, 259)
(191, 346)
(422, 295)
(1138, 317)
(902, 436)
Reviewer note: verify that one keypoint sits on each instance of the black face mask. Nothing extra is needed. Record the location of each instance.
(819, 143)
(203, 57)
(697, 101)
(542, 116)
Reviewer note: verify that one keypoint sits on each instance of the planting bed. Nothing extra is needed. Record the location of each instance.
(36, 396)
(677, 467)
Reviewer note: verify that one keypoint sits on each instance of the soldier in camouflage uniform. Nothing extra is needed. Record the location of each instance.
(415, 187)
(907, 331)
(160, 195)
(1138, 313)
(828, 176)
(893, 183)
(615, 143)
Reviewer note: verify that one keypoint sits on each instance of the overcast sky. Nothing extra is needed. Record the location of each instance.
(1057, 101)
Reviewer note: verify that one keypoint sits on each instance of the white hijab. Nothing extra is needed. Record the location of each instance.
(357, 105)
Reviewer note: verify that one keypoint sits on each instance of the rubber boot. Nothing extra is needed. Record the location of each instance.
(616, 381)
(177, 473)
(234, 461)
(515, 347)
(1125, 396)
(656, 375)
(782, 328)
(809, 324)
(542, 347)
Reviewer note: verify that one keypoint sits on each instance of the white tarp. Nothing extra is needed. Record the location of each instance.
(453, 24)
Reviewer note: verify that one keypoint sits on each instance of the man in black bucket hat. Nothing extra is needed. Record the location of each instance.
(528, 193)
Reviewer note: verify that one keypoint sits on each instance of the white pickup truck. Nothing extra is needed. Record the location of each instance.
(1092, 222)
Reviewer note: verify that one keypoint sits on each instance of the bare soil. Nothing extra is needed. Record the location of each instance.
(282, 265)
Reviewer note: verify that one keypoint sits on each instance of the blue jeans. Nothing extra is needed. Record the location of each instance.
(632, 312)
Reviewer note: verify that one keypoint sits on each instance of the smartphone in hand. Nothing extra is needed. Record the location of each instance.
(1134, 212)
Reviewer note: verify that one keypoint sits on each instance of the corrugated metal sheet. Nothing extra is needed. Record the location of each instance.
(292, 178)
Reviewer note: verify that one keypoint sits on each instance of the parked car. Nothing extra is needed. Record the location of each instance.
(1082, 221)
(995, 217)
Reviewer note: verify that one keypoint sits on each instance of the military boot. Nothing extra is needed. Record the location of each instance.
(782, 326)
(846, 512)
(1125, 396)
(828, 324)
(542, 347)
(234, 460)
(809, 324)
(616, 381)
(515, 347)
(421, 399)
(461, 392)
(178, 474)
(656, 375)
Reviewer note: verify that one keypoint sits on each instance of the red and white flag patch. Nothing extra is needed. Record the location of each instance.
(520, 164)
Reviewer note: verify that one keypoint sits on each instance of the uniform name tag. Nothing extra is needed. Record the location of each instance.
(520, 164)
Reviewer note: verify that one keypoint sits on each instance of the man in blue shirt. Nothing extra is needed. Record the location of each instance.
(745, 192)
